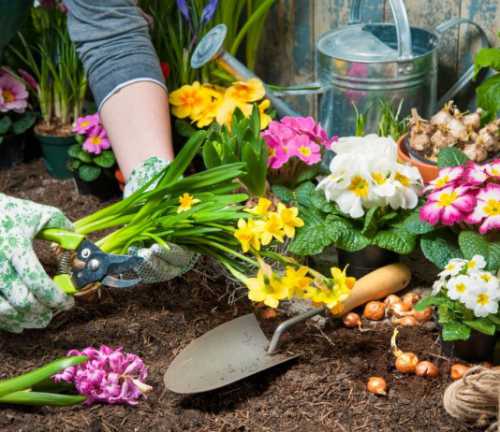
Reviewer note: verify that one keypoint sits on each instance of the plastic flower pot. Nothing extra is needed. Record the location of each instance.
(428, 170)
(11, 151)
(55, 154)
(366, 260)
(479, 347)
(104, 187)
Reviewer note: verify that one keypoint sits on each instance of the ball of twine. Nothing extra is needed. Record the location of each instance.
(475, 397)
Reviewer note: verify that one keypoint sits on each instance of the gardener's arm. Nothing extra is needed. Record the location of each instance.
(113, 42)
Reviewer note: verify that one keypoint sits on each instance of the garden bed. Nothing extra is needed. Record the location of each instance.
(324, 390)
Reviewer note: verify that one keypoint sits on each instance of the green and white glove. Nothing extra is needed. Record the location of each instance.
(160, 265)
(28, 297)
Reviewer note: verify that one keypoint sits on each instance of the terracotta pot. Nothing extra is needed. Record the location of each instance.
(427, 171)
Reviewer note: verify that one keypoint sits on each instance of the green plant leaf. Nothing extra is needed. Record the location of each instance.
(483, 325)
(74, 164)
(488, 96)
(283, 193)
(415, 225)
(319, 201)
(106, 159)
(30, 398)
(472, 243)
(74, 151)
(487, 58)
(304, 193)
(444, 313)
(89, 173)
(396, 240)
(430, 300)
(454, 330)
(450, 157)
(344, 235)
(313, 237)
(26, 121)
(84, 156)
(370, 222)
(5, 124)
(494, 257)
(439, 247)
(211, 157)
(184, 128)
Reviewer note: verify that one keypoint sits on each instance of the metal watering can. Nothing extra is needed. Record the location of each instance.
(360, 65)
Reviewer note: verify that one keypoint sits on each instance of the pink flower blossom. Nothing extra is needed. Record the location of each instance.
(306, 150)
(487, 209)
(448, 206)
(475, 174)
(13, 94)
(447, 177)
(493, 169)
(97, 141)
(110, 376)
(87, 123)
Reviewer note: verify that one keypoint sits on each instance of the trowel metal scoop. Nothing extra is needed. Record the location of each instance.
(239, 348)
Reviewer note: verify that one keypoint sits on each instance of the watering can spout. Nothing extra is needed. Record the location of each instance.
(211, 48)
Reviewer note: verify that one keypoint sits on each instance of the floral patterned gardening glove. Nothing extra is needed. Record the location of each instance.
(28, 297)
(159, 265)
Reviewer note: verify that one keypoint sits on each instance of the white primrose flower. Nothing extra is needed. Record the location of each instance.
(490, 280)
(482, 300)
(408, 183)
(459, 287)
(476, 263)
(368, 145)
(438, 285)
(454, 267)
(381, 174)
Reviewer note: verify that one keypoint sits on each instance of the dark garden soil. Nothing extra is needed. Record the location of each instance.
(324, 390)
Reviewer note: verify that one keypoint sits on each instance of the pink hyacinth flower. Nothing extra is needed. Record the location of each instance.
(487, 210)
(447, 177)
(475, 174)
(87, 123)
(493, 169)
(448, 206)
(13, 94)
(110, 376)
(97, 141)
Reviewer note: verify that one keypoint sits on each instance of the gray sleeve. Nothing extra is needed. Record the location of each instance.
(112, 40)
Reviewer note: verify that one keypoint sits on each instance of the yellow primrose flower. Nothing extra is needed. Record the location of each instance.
(290, 219)
(296, 281)
(251, 90)
(272, 228)
(248, 234)
(265, 118)
(208, 115)
(186, 201)
(226, 109)
(262, 207)
(266, 287)
(189, 100)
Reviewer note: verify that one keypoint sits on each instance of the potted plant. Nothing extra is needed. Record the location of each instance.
(15, 118)
(359, 206)
(61, 86)
(92, 161)
(466, 297)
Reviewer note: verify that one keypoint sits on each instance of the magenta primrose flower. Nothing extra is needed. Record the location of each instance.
(447, 177)
(97, 141)
(493, 169)
(487, 210)
(448, 205)
(13, 94)
(109, 376)
(475, 174)
(87, 123)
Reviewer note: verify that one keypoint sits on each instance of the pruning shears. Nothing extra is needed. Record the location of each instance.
(82, 264)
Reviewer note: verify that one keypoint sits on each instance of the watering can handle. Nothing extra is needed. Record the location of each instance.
(400, 20)
(469, 73)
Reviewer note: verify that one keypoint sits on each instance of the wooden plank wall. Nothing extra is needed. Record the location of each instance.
(294, 25)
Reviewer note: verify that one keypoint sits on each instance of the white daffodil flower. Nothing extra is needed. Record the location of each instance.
(460, 287)
(483, 301)
(476, 263)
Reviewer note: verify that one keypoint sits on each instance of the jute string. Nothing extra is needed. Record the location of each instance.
(475, 397)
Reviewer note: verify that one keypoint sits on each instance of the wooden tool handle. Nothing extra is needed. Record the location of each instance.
(377, 284)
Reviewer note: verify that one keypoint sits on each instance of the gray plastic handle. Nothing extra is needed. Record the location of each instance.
(468, 75)
(401, 21)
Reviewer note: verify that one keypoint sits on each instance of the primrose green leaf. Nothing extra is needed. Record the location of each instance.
(74, 150)
(487, 58)
(455, 330)
(444, 313)
(488, 96)
(106, 159)
(450, 157)
(74, 164)
(84, 156)
(283, 193)
(319, 201)
(89, 173)
(429, 301)
(310, 240)
(345, 236)
(439, 247)
(304, 193)
(483, 325)
(396, 240)
(494, 257)
(370, 222)
(5, 124)
(472, 243)
(24, 123)
(415, 225)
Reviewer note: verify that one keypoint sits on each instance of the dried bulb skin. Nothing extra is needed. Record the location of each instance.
(406, 362)
(475, 152)
(407, 321)
(442, 117)
(377, 385)
(441, 139)
(392, 299)
(352, 320)
(458, 370)
(458, 130)
(472, 120)
(374, 311)
(426, 369)
(399, 310)
(409, 299)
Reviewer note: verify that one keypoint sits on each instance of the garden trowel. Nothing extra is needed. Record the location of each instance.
(239, 348)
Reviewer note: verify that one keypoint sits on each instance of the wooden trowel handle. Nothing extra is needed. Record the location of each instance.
(377, 284)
